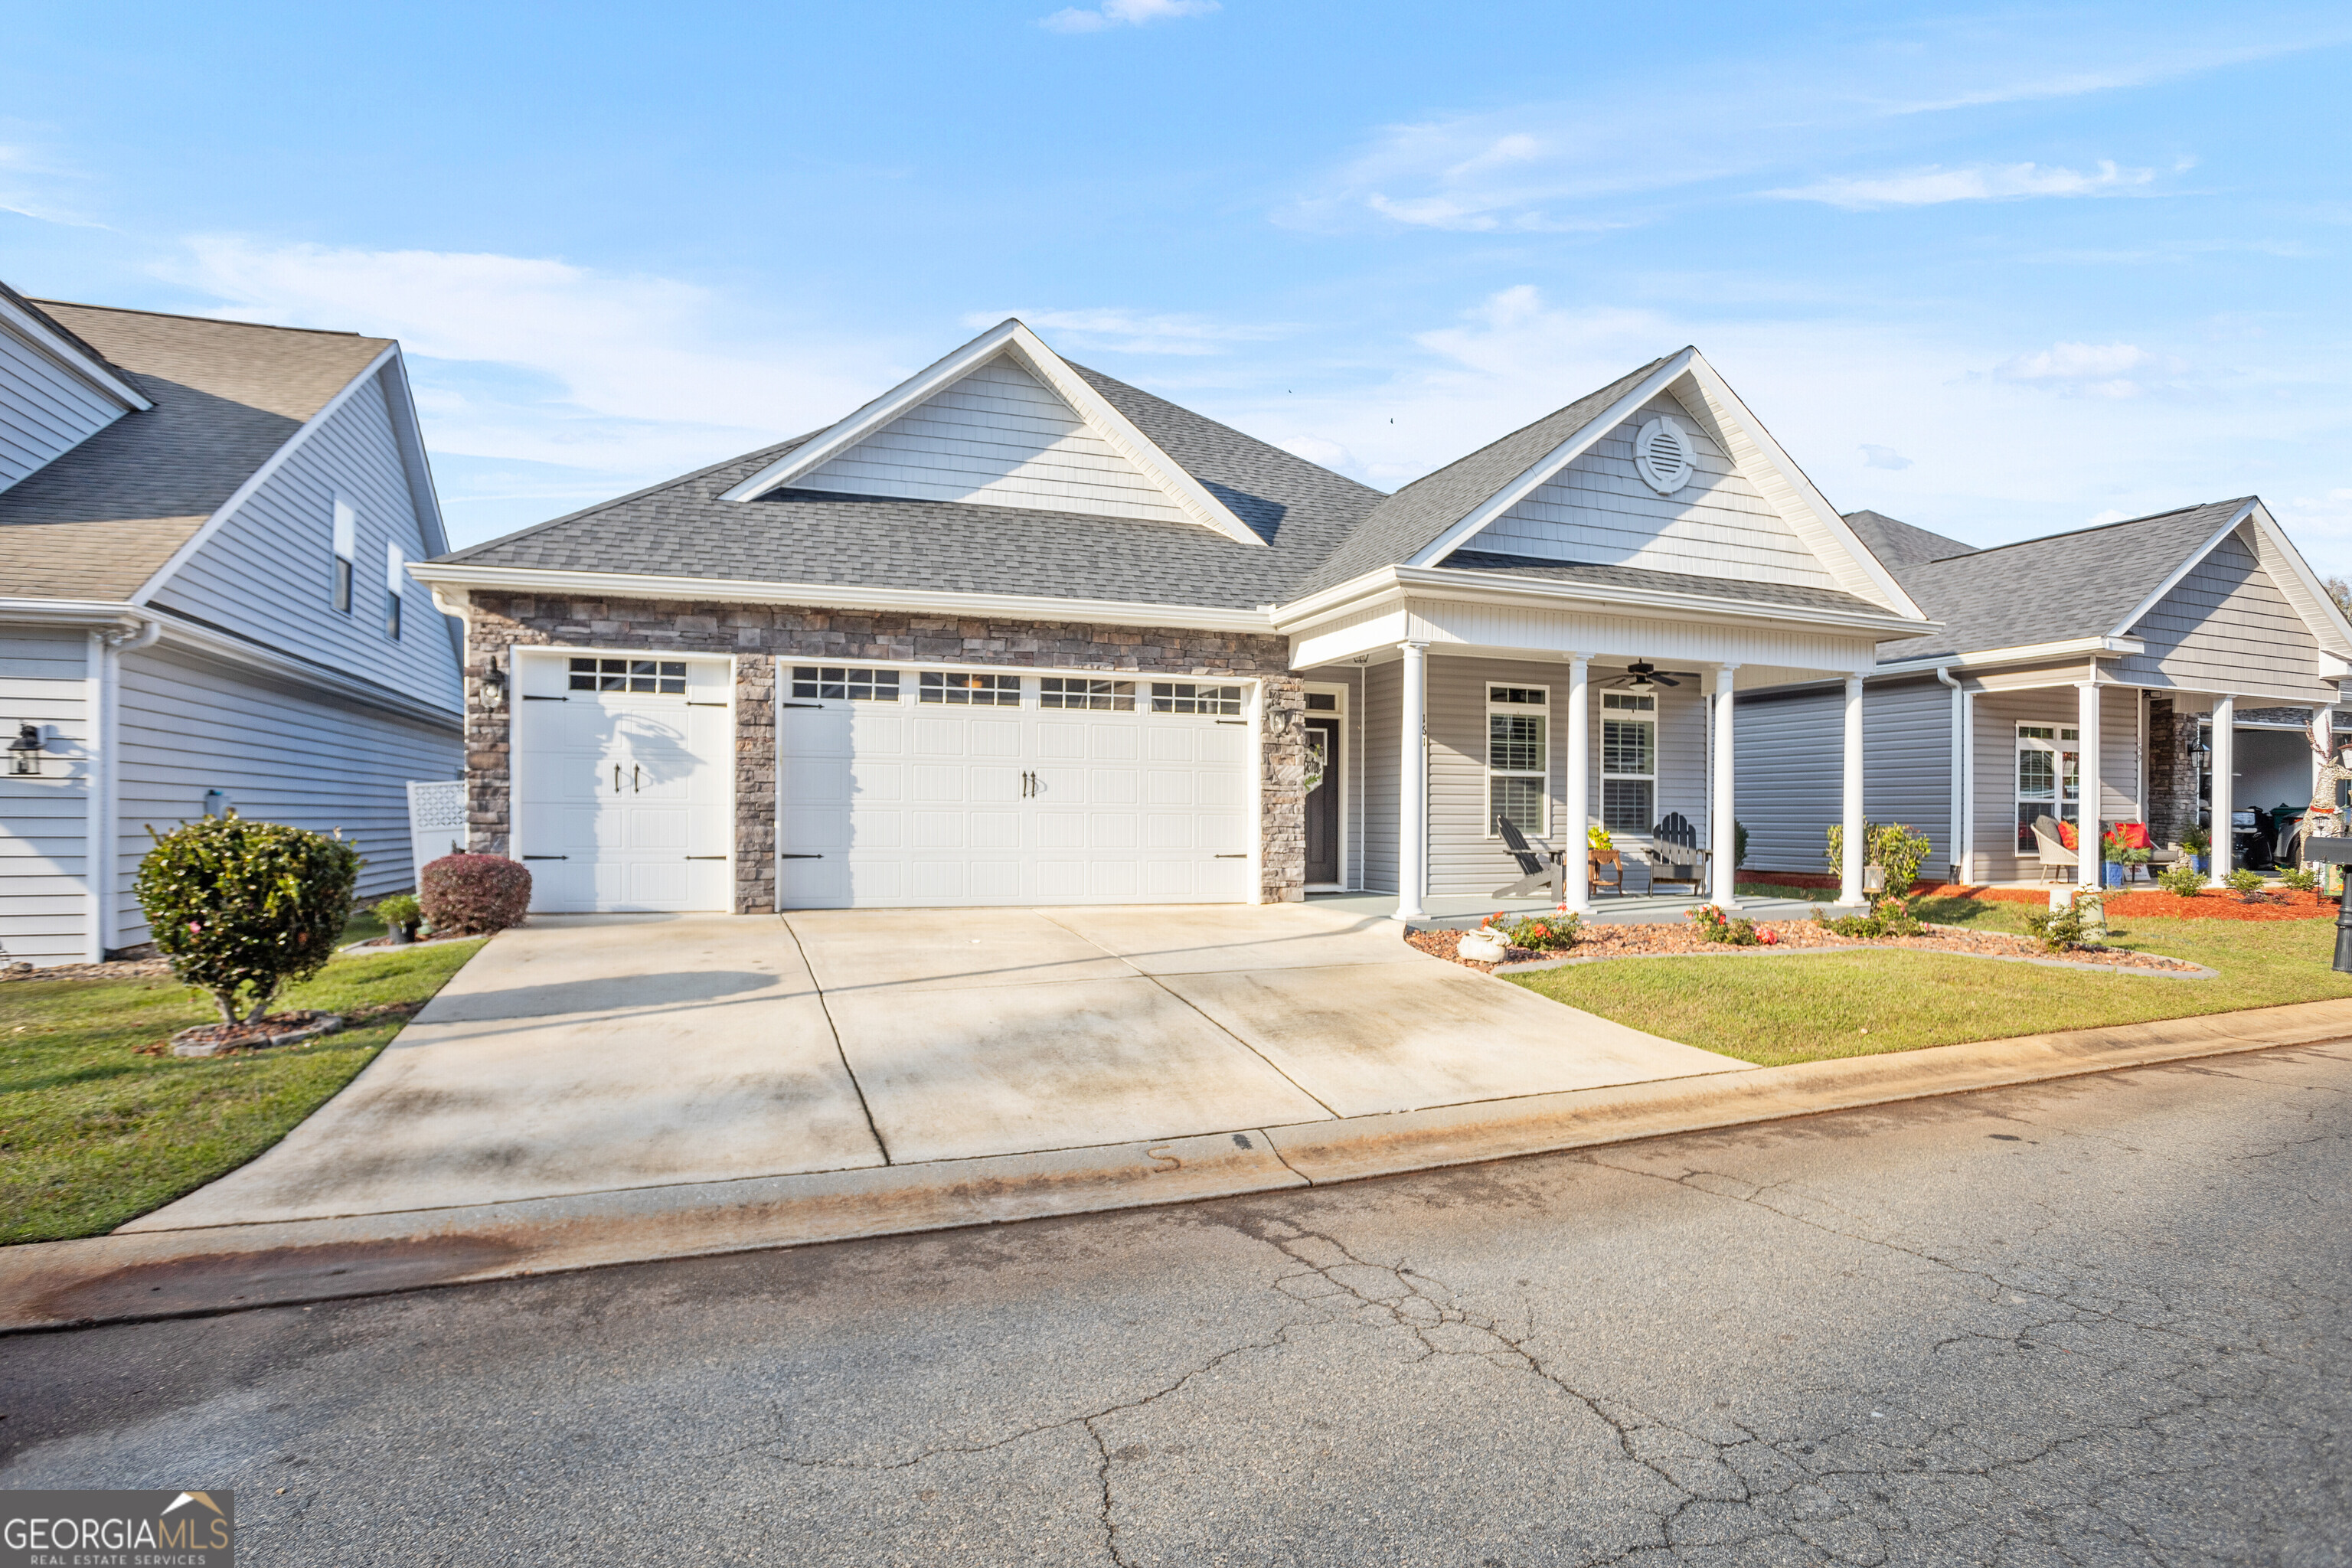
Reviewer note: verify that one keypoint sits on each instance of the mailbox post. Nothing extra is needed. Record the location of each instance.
(2336, 852)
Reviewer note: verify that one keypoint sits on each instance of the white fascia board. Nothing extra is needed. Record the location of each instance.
(69, 356)
(2024, 653)
(181, 634)
(1008, 336)
(19, 611)
(2188, 564)
(261, 475)
(1826, 516)
(409, 433)
(1586, 437)
(444, 577)
(1440, 583)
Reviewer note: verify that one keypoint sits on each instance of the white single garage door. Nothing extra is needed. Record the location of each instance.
(921, 788)
(623, 792)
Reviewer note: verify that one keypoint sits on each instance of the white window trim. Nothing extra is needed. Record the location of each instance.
(1602, 773)
(1485, 740)
(2056, 744)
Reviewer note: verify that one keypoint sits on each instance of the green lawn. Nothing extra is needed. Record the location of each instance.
(1771, 1011)
(92, 1133)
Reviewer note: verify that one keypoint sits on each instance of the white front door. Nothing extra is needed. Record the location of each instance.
(898, 788)
(623, 792)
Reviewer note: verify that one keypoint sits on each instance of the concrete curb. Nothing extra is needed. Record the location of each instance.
(129, 1276)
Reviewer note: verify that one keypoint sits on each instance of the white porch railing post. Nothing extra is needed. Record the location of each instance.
(1576, 889)
(2224, 765)
(2089, 867)
(1720, 814)
(1850, 815)
(1412, 783)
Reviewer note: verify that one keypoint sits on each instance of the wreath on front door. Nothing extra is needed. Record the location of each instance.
(1319, 745)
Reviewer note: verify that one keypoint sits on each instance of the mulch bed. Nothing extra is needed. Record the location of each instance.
(235, 1039)
(120, 969)
(1642, 941)
(2145, 901)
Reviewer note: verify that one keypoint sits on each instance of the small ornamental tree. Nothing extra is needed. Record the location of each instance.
(468, 893)
(242, 909)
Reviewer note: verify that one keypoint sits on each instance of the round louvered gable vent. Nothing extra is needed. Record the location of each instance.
(1662, 456)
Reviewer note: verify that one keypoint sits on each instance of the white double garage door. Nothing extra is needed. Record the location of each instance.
(905, 786)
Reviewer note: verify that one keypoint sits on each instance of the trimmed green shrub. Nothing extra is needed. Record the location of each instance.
(2242, 882)
(1887, 917)
(475, 894)
(2058, 930)
(2185, 880)
(2301, 879)
(399, 912)
(241, 908)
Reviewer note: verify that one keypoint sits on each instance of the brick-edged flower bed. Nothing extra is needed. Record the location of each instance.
(1649, 940)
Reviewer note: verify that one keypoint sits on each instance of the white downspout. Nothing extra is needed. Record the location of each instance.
(1962, 852)
(103, 688)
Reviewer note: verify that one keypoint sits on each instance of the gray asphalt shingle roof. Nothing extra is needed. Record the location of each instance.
(681, 529)
(101, 519)
(1412, 519)
(1899, 543)
(2066, 585)
(1662, 581)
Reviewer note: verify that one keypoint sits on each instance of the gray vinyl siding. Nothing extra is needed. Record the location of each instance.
(269, 571)
(2121, 789)
(284, 753)
(1997, 715)
(2225, 627)
(44, 412)
(44, 821)
(1791, 782)
(1383, 736)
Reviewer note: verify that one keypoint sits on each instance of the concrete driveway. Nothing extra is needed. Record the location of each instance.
(587, 1054)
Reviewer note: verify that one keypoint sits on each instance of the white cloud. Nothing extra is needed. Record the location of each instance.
(1984, 182)
(2100, 369)
(1132, 332)
(2113, 514)
(535, 359)
(1883, 458)
(1124, 13)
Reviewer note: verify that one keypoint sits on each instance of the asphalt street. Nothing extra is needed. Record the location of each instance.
(2100, 1321)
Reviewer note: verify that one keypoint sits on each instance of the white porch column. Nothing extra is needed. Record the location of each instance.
(1850, 862)
(2225, 767)
(1412, 783)
(2089, 868)
(1725, 829)
(1576, 890)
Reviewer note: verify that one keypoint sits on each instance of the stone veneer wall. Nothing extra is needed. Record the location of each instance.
(2172, 802)
(754, 634)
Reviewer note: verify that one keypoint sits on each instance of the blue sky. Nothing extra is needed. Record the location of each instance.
(1996, 272)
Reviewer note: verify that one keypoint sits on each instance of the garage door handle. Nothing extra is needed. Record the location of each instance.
(780, 705)
(782, 856)
(546, 857)
(527, 696)
(706, 857)
(1241, 857)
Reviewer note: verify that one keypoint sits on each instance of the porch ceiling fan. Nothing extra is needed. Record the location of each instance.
(1642, 676)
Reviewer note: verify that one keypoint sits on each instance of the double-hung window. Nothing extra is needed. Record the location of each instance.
(2048, 778)
(346, 538)
(1518, 758)
(396, 584)
(1629, 760)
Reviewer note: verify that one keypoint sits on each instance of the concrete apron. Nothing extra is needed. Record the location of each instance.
(136, 1275)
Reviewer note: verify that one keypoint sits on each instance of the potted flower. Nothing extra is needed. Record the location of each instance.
(400, 914)
(2111, 858)
(2198, 844)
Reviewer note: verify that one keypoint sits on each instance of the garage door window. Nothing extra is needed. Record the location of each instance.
(629, 675)
(838, 684)
(1103, 696)
(972, 690)
(1184, 696)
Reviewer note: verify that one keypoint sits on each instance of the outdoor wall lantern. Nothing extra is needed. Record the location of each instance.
(25, 751)
(494, 685)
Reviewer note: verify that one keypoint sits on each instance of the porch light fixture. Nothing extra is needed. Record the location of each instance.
(494, 685)
(25, 751)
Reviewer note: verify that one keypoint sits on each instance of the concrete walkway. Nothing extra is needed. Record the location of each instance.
(597, 1054)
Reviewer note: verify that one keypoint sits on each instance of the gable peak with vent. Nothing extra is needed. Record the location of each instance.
(1002, 421)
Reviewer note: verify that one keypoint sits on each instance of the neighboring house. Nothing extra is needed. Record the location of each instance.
(2196, 644)
(204, 528)
(1016, 633)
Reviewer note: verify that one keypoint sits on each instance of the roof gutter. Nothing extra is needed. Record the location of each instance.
(451, 577)
(1478, 587)
(95, 614)
(2026, 653)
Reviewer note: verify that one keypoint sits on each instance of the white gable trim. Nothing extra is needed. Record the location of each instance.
(2302, 585)
(260, 476)
(68, 357)
(1751, 449)
(1553, 461)
(1014, 338)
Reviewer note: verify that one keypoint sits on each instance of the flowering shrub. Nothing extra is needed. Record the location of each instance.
(1537, 933)
(1713, 925)
(241, 907)
(475, 893)
(1887, 917)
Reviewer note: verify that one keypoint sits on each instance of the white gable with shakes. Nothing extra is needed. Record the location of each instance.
(1000, 437)
(1002, 421)
(1602, 511)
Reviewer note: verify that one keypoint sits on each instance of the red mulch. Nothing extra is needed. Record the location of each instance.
(1632, 940)
(2276, 903)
